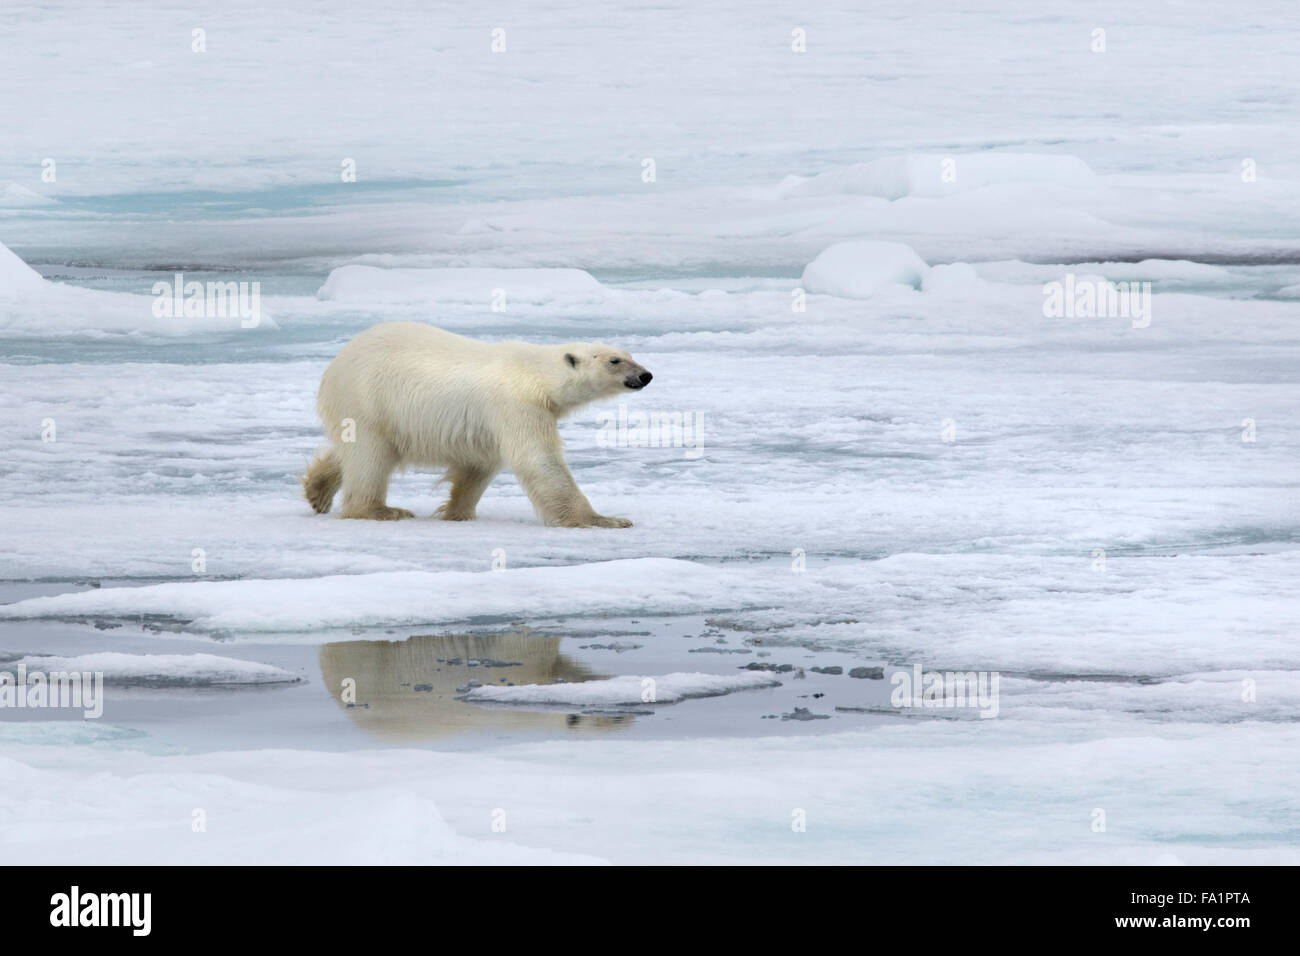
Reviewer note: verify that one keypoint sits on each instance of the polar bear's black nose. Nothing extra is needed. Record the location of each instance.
(645, 379)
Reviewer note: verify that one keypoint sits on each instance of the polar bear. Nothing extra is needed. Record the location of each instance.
(404, 393)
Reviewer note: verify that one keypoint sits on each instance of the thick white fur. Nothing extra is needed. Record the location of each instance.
(420, 396)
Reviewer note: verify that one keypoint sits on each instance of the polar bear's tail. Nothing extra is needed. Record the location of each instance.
(322, 481)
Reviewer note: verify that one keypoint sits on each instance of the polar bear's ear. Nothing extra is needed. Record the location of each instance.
(571, 359)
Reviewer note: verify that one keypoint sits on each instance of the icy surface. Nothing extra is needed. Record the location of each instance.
(1036, 792)
(31, 307)
(17, 277)
(912, 465)
(399, 597)
(937, 174)
(157, 669)
(855, 270)
(623, 691)
(371, 285)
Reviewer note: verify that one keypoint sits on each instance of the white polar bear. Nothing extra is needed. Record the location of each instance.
(403, 393)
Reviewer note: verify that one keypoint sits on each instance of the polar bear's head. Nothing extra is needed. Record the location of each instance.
(595, 371)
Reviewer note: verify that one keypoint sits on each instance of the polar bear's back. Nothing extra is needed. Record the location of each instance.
(412, 345)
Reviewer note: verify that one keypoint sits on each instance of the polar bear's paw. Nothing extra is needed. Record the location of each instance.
(448, 512)
(379, 513)
(593, 521)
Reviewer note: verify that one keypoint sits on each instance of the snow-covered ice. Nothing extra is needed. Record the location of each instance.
(856, 270)
(371, 285)
(897, 458)
(629, 689)
(157, 669)
(398, 597)
(935, 174)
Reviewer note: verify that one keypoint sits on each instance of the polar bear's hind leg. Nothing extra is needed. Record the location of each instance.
(366, 465)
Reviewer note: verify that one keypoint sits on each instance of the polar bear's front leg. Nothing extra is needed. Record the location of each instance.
(540, 467)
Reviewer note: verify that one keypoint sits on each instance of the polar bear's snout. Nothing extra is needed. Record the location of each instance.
(637, 381)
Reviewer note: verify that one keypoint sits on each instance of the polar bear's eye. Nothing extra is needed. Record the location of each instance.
(614, 361)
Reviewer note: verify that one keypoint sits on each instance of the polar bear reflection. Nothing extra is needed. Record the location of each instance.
(407, 690)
